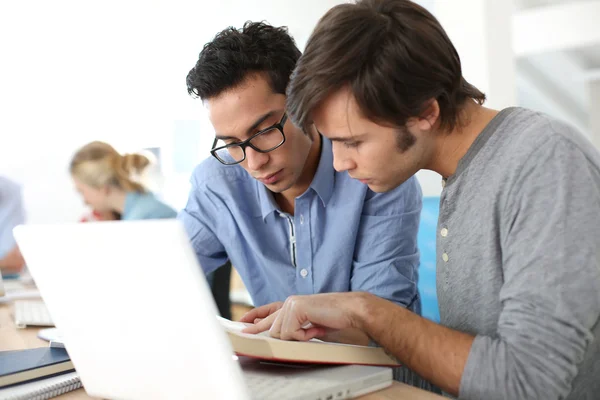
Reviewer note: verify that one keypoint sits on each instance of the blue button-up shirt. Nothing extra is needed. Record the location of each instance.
(342, 236)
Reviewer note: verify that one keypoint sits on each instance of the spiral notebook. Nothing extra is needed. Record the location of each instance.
(42, 389)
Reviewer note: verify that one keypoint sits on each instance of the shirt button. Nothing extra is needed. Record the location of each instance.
(445, 257)
(304, 273)
(301, 219)
(443, 183)
(444, 232)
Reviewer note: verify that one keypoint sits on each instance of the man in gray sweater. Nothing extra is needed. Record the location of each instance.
(518, 261)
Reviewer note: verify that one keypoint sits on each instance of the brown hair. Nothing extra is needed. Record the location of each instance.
(392, 54)
(98, 164)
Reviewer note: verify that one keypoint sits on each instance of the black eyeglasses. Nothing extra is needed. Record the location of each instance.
(263, 141)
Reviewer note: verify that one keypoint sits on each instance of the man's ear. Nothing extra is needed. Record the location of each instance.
(429, 117)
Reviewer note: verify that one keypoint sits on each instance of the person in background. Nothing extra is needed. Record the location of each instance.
(518, 261)
(109, 183)
(11, 214)
(269, 199)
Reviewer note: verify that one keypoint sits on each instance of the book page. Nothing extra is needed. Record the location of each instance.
(237, 328)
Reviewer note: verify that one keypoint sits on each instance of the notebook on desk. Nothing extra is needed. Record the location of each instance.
(42, 389)
(40, 373)
(18, 366)
(154, 336)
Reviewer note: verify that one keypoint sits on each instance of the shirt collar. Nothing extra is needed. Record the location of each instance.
(322, 182)
(267, 202)
(324, 179)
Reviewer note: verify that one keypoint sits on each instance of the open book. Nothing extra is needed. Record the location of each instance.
(313, 352)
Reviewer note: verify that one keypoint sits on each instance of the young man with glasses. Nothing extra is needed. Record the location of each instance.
(270, 201)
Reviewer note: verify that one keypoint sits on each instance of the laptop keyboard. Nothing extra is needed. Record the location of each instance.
(31, 313)
(280, 387)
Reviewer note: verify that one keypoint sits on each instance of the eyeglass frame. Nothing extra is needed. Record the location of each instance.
(243, 144)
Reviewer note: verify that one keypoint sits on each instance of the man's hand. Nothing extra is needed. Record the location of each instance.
(437, 353)
(13, 262)
(306, 317)
(261, 325)
(259, 313)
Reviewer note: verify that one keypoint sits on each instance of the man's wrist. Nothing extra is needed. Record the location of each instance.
(370, 313)
(362, 310)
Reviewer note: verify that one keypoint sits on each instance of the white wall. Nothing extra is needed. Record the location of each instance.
(76, 71)
(481, 32)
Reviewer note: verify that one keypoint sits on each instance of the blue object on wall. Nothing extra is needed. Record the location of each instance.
(426, 242)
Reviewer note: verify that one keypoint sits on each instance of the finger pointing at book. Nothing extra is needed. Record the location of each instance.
(306, 317)
(261, 325)
(259, 313)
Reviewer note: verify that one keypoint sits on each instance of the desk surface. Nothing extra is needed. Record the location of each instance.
(12, 338)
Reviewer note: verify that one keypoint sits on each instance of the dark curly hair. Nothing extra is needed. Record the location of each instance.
(233, 54)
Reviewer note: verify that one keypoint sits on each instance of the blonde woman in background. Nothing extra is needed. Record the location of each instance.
(108, 182)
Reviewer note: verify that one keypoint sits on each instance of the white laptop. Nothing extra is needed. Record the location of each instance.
(138, 319)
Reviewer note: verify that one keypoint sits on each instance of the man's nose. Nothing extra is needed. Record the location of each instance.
(255, 159)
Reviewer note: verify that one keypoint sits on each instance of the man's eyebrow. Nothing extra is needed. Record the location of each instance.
(342, 139)
(221, 137)
(259, 121)
(250, 130)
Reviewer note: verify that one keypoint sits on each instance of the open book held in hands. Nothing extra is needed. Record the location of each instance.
(314, 351)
